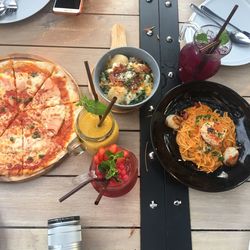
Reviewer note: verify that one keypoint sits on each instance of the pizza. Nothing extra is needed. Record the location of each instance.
(37, 113)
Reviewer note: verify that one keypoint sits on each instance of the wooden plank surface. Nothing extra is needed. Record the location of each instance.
(34, 202)
(48, 29)
(220, 240)
(122, 239)
(93, 239)
(227, 210)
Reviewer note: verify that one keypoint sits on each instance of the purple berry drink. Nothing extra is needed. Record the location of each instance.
(197, 64)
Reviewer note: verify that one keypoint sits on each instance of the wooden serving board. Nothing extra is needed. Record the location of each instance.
(118, 36)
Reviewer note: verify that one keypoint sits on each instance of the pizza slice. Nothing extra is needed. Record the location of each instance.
(30, 75)
(57, 89)
(11, 141)
(10, 165)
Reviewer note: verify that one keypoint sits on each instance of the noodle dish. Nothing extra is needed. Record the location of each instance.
(205, 137)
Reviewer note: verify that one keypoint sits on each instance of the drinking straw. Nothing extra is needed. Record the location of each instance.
(77, 188)
(91, 83)
(104, 188)
(107, 111)
(223, 27)
(207, 47)
(90, 80)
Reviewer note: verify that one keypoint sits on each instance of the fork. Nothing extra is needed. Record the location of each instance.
(11, 7)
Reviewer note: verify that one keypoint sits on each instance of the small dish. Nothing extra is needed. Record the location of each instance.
(129, 52)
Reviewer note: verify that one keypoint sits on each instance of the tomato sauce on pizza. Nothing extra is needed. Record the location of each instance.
(37, 113)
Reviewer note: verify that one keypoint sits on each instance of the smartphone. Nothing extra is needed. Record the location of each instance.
(68, 6)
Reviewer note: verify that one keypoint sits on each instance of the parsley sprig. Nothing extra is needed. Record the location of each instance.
(108, 167)
(92, 106)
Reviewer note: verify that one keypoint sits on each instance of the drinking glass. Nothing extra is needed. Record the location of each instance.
(127, 168)
(197, 63)
(90, 136)
(128, 174)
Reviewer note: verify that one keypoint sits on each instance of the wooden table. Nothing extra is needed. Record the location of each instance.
(218, 220)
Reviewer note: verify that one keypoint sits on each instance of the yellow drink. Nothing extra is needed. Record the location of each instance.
(92, 136)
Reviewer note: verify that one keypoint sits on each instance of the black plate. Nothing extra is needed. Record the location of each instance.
(163, 140)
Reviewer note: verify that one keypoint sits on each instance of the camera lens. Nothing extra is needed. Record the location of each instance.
(65, 233)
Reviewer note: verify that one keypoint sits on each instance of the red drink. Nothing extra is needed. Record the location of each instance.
(126, 167)
(195, 65)
(199, 60)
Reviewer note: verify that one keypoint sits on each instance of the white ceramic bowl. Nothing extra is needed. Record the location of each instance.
(129, 52)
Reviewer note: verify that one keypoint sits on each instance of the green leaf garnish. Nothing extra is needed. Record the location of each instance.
(92, 106)
(201, 38)
(224, 38)
(108, 167)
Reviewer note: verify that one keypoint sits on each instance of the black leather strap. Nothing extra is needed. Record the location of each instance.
(165, 217)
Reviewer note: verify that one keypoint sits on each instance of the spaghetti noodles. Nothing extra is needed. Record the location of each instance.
(204, 135)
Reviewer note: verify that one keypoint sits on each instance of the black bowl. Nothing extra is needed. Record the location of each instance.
(163, 139)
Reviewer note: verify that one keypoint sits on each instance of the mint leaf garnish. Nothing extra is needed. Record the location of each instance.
(201, 38)
(224, 38)
(108, 167)
(92, 106)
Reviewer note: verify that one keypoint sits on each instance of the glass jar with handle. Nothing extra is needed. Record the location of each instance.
(200, 58)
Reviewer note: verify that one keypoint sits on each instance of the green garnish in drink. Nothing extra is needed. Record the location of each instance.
(92, 106)
(203, 38)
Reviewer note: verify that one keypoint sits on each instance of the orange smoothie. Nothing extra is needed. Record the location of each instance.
(94, 137)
